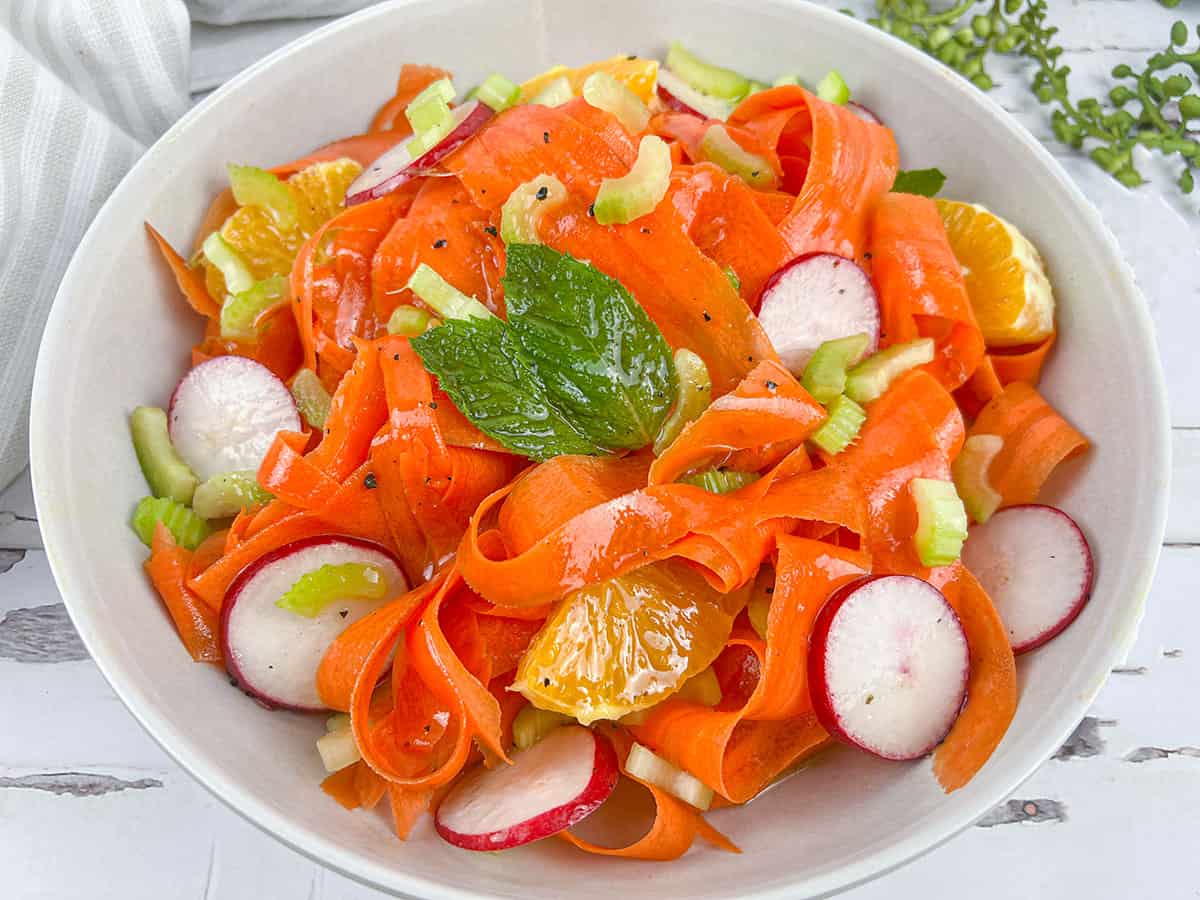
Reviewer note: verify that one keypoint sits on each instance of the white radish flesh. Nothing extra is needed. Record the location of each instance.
(548, 788)
(1036, 565)
(888, 666)
(864, 112)
(816, 298)
(396, 166)
(274, 653)
(680, 96)
(225, 414)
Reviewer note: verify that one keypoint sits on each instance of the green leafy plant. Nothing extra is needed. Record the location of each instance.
(1150, 107)
(578, 367)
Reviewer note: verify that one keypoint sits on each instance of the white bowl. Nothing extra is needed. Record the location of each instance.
(118, 336)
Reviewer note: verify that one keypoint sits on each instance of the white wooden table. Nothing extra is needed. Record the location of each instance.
(90, 807)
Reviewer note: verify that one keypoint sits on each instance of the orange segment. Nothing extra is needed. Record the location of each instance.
(319, 190)
(624, 644)
(637, 74)
(1006, 281)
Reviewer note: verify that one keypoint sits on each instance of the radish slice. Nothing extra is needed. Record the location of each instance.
(224, 415)
(888, 665)
(680, 96)
(815, 298)
(863, 112)
(548, 788)
(397, 166)
(1036, 565)
(274, 653)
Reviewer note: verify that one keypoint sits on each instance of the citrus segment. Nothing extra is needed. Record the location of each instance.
(637, 74)
(624, 644)
(268, 249)
(1006, 281)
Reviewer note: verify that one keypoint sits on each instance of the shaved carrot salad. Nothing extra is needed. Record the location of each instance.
(566, 433)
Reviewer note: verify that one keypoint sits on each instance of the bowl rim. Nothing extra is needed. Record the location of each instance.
(314, 845)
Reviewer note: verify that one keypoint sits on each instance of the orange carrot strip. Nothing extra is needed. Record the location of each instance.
(357, 411)
(197, 624)
(341, 786)
(293, 477)
(921, 288)
(447, 230)
(852, 164)
(408, 805)
(191, 283)
(991, 686)
(682, 290)
(728, 223)
(210, 550)
(675, 827)
(1036, 439)
(1022, 364)
(978, 390)
(768, 406)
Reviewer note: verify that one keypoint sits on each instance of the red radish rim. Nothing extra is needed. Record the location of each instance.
(423, 164)
(675, 104)
(1089, 579)
(243, 578)
(821, 699)
(605, 773)
(864, 112)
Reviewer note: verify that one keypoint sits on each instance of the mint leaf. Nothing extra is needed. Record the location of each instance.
(487, 373)
(926, 182)
(601, 360)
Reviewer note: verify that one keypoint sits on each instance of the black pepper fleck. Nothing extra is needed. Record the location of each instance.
(491, 229)
(770, 590)
(543, 192)
(645, 230)
(439, 243)
(545, 137)
(396, 357)
(343, 613)
(592, 210)
(370, 482)
(771, 385)
(427, 729)
(546, 682)
(707, 317)
(749, 359)
(433, 404)
(866, 255)
(233, 682)
(754, 174)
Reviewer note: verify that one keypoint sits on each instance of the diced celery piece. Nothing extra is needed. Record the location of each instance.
(695, 394)
(874, 375)
(430, 107)
(253, 186)
(833, 88)
(705, 77)
(228, 494)
(240, 311)
(338, 749)
(525, 206)
(784, 80)
(646, 765)
(825, 375)
(444, 298)
(428, 116)
(313, 591)
(703, 689)
(312, 399)
(408, 321)
(337, 721)
(734, 281)
(532, 724)
(185, 526)
(604, 92)
(555, 93)
(498, 93)
(166, 473)
(230, 263)
(621, 200)
(845, 419)
(941, 521)
(717, 481)
(970, 470)
(718, 146)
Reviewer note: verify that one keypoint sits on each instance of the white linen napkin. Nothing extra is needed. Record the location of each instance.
(85, 87)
